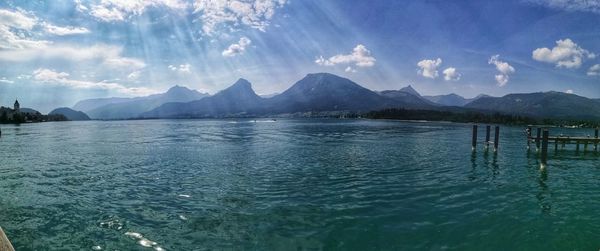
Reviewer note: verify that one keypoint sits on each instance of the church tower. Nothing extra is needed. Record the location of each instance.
(17, 106)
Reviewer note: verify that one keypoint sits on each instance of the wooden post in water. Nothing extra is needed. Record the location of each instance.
(577, 148)
(496, 138)
(528, 137)
(596, 139)
(4, 243)
(545, 146)
(537, 139)
(556, 145)
(474, 139)
(487, 137)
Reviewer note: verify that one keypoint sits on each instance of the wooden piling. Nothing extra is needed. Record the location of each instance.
(556, 145)
(596, 139)
(577, 148)
(496, 138)
(537, 139)
(528, 137)
(545, 146)
(487, 137)
(474, 139)
(4, 242)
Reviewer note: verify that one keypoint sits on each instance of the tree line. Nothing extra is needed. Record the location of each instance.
(475, 117)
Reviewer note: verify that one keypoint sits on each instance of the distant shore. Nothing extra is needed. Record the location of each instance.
(404, 115)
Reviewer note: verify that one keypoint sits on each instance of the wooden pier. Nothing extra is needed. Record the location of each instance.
(543, 138)
(4, 242)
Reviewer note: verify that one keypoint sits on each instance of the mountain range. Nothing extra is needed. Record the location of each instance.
(453, 99)
(124, 108)
(542, 105)
(322, 92)
(326, 93)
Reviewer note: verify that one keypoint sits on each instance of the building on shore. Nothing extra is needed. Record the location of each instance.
(18, 114)
(8, 114)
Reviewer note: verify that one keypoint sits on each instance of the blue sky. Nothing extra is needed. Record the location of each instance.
(54, 53)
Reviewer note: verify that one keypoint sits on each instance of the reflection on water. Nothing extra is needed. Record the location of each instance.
(289, 184)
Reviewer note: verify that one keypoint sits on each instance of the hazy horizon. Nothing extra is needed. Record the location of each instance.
(57, 53)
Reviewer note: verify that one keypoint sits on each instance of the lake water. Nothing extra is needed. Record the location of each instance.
(289, 185)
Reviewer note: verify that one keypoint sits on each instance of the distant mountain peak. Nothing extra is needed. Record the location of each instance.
(323, 82)
(178, 88)
(242, 83)
(241, 87)
(481, 96)
(411, 90)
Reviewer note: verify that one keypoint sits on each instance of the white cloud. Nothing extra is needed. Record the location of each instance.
(360, 57)
(566, 54)
(107, 14)
(17, 19)
(234, 13)
(451, 74)
(594, 70)
(107, 55)
(10, 40)
(238, 48)
(63, 31)
(350, 69)
(182, 68)
(504, 68)
(501, 79)
(6, 81)
(48, 76)
(13, 21)
(119, 10)
(118, 62)
(79, 6)
(134, 75)
(570, 5)
(429, 67)
(569, 91)
(17, 26)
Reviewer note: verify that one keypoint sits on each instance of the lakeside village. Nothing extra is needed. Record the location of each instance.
(17, 115)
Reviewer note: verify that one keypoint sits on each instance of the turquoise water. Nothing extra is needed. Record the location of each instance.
(289, 185)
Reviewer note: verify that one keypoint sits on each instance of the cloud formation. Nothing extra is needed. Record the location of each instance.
(360, 57)
(48, 76)
(63, 31)
(570, 5)
(566, 54)
(6, 81)
(230, 14)
(503, 68)
(451, 74)
(350, 69)
(594, 70)
(106, 55)
(17, 27)
(428, 67)
(119, 10)
(182, 68)
(237, 48)
(11, 22)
